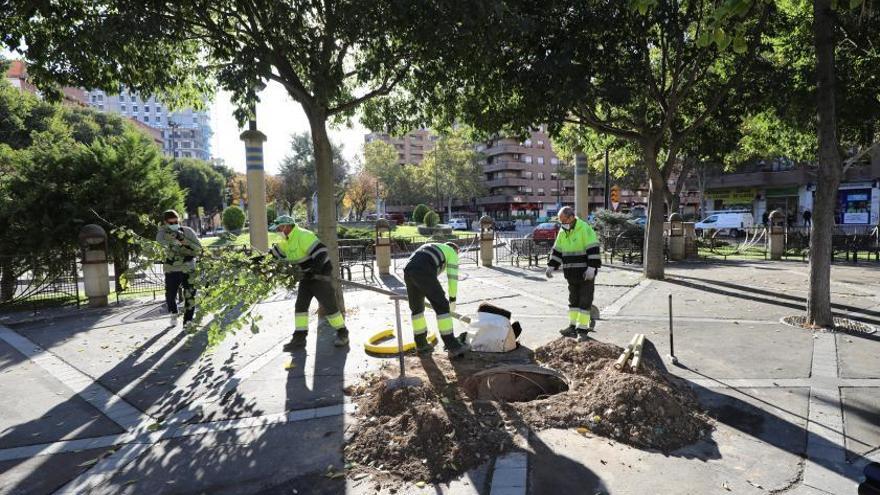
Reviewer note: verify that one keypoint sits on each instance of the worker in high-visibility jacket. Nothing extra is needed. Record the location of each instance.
(576, 251)
(420, 276)
(303, 247)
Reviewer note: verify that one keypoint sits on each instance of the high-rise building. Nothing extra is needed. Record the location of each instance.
(185, 133)
(411, 148)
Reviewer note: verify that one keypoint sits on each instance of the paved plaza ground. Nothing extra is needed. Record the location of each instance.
(112, 401)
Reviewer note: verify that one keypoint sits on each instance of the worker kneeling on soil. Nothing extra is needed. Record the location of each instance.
(420, 276)
(576, 250)
(302, 247)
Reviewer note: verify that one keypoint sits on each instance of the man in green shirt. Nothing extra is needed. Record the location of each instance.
(420, 276)
(302, 247)
(181, 248)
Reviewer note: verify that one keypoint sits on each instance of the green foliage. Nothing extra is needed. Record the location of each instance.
(452, 167)
(355, 233)
(271, 213)
(230, 281)
(432, 219)
(203, 184)
(62, 168)
(233, 218)
(608, 222)
(298, 179)
(398, 184)
(419, 213)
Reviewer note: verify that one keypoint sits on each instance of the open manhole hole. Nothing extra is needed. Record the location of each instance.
(844, 325)
(515, 383)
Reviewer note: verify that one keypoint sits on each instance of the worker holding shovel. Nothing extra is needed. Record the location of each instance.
(576, 251)
(303, 247)
(420, 276)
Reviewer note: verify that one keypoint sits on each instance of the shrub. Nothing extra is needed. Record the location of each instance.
(420, 212)
(233, 218)
(271, 213)
(354, 233)
(432, 219)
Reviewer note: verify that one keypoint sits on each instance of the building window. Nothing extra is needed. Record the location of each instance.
(554, 191)
(134, 108)
(541, 144)
(100, 97)
(100, 107)
(540, 175)
(525, 189)
(540, 191)
(195, 120)
(526, 175)
(147, 109)
(527, 159)
(554, 161)
(123, 108)
(540, 160)
(94, 98)
(527, 143)
(158, 109)
(121, 97)
(158, 119)
(554, 176)
(146, 118)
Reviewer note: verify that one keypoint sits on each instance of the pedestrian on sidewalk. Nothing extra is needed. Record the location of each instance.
(576, 251)
(420, 276)
(182, 247)
(808, 218)
(302, 247)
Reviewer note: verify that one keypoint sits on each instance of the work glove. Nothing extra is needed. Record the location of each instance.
(548, 272)
(590, 273)
(452, 304)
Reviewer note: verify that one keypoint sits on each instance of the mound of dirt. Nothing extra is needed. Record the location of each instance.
(648, 409)
(430, 433)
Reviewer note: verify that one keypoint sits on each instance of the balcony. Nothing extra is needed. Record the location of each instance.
(761, 179)
(505, 148)
(499, 165)
(509, 181)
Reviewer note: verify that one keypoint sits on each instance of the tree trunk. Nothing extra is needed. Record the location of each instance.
(8, 280)
(673, 201)
(819, 296)
(654, 258)
(326, 194)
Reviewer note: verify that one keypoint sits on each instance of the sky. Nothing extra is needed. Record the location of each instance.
(278, 117)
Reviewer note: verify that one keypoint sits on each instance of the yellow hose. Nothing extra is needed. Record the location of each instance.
(372, 346)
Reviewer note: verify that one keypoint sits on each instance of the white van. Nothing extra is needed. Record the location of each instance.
(733, 222)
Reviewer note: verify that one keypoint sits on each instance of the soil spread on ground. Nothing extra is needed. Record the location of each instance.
(435, 432)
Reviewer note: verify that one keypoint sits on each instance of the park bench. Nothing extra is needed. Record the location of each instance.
(357, 253)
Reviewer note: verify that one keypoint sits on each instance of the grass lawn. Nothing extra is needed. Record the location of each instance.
(412, 232)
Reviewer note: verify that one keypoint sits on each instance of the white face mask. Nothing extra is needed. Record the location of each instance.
(566, 226)
(174, 227)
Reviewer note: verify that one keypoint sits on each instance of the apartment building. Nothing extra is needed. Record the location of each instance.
(411, 147)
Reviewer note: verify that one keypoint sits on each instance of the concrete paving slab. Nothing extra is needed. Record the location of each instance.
(44, 474)
(861, 419)
(733, 461)
(859, 355)
(39, 409)
(233, 462)
(721, 349)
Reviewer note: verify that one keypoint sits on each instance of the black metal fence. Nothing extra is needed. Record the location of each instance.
(31, 283)
(142, 277)
(357, 257)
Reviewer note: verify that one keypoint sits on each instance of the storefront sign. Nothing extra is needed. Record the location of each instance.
(732, 196)
(781, 192)
(854, 206)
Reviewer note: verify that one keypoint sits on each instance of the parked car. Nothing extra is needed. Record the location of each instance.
(459, 223)
(733, 223)
(505, 225)
(397, 218)
(545, 233)
(640, 221)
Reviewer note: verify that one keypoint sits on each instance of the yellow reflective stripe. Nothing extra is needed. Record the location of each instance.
(420, 326)
(302, 321)
(584, 319)
(573, 316)
(444, 324)
(336, 320)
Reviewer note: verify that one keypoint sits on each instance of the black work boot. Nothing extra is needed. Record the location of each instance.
(569, 331)
(454, 347)
(422, 344)
(341, 337)
(298, 341)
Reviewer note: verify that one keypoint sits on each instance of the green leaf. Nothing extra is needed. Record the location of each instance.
(854, 4)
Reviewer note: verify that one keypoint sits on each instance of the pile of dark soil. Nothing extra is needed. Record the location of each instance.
(649, 408)
(429, 433)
